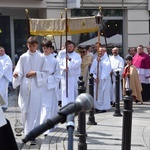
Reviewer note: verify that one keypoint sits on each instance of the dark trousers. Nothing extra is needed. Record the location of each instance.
(7, 139)
(145, 92)
(149, 91)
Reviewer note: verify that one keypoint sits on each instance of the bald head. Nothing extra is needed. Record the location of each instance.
(101, 52)
(115, 51)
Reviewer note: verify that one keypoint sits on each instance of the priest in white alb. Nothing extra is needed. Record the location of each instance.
(74, 71)
(101, 74)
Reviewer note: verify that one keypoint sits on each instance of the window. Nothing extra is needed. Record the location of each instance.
(20, 34)
(5, 34)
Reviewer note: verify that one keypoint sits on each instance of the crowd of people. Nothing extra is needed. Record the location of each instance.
(44, 79)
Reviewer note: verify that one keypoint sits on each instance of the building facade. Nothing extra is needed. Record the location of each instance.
(133, 20)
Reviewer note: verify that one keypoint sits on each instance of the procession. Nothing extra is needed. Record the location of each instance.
(79, 96)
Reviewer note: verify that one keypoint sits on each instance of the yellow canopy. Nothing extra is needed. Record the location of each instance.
(58, 26)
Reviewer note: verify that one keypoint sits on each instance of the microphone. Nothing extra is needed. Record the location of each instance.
(83, 102)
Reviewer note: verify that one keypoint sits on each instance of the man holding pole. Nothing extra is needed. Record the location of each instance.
(74, 71)
(103, 101)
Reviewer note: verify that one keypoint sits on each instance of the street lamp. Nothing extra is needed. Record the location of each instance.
(98, 20)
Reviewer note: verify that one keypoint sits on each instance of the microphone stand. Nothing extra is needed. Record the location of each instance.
(83, 102)
(70, 128)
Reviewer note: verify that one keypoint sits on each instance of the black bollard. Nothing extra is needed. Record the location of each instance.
(81, 119)
(127, 120)
(91, 117)
(117, 102)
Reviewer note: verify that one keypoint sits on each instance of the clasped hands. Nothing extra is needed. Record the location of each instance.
(30, 74)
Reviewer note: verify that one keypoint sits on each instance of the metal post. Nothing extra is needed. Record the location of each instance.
(127, 120)
(81, 119)
(70, 128)
(91, 118)
(117, 102)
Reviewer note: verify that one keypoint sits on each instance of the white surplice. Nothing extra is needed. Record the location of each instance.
(103, 101)
(61, 54)
(31, 89)
(74, 71)
(50, 101)
(6, 77)
(117, 64)
(1, 70)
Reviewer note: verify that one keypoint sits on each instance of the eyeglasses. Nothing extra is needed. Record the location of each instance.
(82, 52)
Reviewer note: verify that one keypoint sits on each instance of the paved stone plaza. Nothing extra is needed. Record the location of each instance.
(106, 135)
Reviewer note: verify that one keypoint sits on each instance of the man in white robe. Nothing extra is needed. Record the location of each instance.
(50, 100)
(31, 73)
(74, 71)
(59, 57)
(6, 77)
(117, 64)
(102, 77)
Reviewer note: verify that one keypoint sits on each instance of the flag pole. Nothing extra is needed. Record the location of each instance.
(98, 65)
(98, 19)
(66, 32)
(61, 16)
(28, 24)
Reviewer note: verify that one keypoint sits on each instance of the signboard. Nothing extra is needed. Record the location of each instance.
(73, 3)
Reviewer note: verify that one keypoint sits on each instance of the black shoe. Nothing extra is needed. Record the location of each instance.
(33, 142)
(112, 104)
(59, 103)
(136, 101)
(4, 109)
(45, 135)
(101, 111)
(96, 110)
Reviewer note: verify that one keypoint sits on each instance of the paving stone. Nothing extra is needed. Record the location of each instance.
(106, 135)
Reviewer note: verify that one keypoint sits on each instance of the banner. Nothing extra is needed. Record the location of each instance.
(57, 26)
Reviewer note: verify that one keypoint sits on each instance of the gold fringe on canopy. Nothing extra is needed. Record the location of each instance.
(57, 26)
